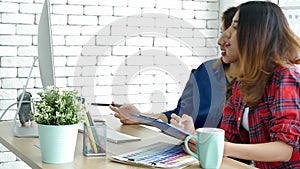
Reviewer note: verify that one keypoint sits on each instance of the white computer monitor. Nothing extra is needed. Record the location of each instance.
(45, 50)
(45, 59)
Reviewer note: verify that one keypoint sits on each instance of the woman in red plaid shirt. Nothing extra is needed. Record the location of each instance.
(262, 118)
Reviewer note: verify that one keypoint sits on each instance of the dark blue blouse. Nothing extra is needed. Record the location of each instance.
(203, 97)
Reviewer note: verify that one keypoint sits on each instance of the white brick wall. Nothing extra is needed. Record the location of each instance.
(8, 50)
(9, 7)
(132, 51)
(15, 40)
(8, 29)
(17, 18)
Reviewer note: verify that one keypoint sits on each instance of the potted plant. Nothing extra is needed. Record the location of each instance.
(57, 115)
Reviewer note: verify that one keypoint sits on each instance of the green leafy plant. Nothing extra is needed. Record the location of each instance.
(57, 107)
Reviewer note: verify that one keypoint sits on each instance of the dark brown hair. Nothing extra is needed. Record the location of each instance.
(227, 16)
(265, 41)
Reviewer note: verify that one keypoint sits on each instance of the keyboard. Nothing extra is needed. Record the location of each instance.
(161, 155)
(118, 137)
(114, 136)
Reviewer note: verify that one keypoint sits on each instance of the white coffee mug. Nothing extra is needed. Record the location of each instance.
(209, 145)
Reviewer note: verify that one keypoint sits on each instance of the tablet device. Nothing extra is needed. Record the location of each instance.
(163, 126)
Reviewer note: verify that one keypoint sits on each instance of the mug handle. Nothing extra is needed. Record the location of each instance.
(187, 146)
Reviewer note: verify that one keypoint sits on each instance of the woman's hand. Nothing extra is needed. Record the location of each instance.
(123, 113)
(185, 123)
(192, 146)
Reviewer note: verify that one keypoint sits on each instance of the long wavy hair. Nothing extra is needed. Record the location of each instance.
(265, 41)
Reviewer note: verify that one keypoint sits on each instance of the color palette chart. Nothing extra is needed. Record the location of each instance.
(162, 155)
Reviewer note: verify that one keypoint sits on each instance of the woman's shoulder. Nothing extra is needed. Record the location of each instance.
(290, 74)
(214, 75)
(208, 64)
(292, 69)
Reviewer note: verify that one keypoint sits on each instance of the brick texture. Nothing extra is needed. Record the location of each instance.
(132, 51)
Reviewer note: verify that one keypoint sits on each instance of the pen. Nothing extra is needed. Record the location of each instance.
(130, 159)
(105, 104)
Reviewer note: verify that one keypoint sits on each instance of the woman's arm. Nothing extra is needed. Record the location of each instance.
(123, 113)
(268, 152)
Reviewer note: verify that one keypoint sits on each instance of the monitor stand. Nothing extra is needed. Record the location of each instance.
(29, 129)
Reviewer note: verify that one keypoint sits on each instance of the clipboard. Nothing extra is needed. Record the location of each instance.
(166, 128)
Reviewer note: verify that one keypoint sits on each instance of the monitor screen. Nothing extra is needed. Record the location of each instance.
(45, 55)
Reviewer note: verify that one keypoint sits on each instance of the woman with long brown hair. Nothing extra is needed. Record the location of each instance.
(262, 118)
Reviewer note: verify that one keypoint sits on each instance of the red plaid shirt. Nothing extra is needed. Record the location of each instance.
(276, 117)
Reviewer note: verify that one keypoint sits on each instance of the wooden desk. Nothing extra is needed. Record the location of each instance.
(26, 150)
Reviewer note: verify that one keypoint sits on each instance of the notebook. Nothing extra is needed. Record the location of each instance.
(161, 155)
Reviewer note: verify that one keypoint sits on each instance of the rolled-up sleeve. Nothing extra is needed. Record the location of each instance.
(285, 124)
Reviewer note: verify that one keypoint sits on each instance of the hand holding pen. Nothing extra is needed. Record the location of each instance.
(123, 113)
